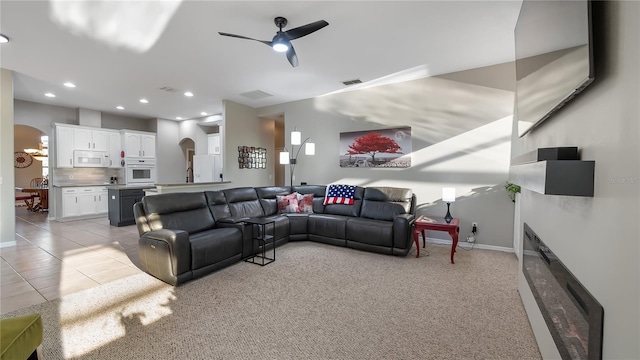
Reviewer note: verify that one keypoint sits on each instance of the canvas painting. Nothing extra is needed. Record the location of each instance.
(385, 148)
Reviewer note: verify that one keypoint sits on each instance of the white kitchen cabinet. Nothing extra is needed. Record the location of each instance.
(115, 146)
(214, 144)
(70, 205)
(148, 145)
(84, 201)
(89, 139)
(72, 137)
(64, 146)
(102, 200)
(139, 145)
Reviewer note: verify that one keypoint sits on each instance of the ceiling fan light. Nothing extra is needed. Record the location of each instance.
(280, 44)
(280, 47)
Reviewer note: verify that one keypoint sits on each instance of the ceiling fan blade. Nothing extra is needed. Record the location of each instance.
(291, 56)
(305, 30)
(244, 37)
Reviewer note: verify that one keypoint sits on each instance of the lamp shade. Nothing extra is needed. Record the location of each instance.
(310, 148)
(449, 194)
(284, 157)
(296, 138)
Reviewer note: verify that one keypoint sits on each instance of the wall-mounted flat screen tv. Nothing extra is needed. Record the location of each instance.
(554, 57)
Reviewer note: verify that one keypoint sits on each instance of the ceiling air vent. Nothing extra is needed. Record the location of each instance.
(352, 82)
(256, 94)
(168, 89)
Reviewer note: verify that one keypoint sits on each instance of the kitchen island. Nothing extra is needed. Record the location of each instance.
(121, 200)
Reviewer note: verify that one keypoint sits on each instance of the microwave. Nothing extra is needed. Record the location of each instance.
(140, 172)
(90, 159)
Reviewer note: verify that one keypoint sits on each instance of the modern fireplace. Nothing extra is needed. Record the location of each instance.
(574, 317)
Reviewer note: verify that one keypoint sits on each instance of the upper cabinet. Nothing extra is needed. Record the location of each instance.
(69, 138)
(139, 145)
(115, 147)
(64, 146)
(88, 139)
(214, 144)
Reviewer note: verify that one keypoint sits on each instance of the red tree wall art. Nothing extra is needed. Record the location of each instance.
(378, 148)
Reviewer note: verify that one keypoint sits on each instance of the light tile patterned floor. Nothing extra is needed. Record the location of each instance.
(52, 259)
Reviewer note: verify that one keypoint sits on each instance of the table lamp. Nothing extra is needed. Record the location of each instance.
(448, 196)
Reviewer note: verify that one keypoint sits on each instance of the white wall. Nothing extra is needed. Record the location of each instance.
(461, 130)
(189, 129)
(117, 122)
(43, 116)
(597, 238)
(242, 127)
(171, 162)
(7, 185)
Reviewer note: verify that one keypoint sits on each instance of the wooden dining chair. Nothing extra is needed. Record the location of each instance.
(34, 183)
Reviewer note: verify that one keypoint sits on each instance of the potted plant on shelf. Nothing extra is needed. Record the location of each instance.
(512, 189)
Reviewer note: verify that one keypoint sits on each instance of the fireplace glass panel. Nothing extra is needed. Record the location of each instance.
(573, 316)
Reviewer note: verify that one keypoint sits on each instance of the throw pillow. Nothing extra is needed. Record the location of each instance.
(295, 203)
(282, 203)
(305, 203)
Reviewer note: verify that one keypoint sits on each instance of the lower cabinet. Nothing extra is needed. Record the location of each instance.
(83, 201)
(121, 205)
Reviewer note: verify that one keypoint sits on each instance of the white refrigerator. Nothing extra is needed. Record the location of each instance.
(207, 168)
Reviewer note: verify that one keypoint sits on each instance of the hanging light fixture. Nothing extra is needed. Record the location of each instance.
(39, 154)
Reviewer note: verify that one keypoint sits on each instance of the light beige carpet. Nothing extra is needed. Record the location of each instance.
(315, 302)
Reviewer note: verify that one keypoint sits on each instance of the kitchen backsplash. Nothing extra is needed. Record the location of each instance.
(85, 176)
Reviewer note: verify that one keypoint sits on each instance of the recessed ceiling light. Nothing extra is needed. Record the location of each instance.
(144, 101)
(69, 84)
(49, 95)
(203, 113)
(119, 107)
(178, 118)
(188, 94)
(3, 39)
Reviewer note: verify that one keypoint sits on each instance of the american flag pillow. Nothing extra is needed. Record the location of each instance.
(340, 194)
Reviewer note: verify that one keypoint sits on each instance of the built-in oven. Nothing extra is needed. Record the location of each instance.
(140, 172)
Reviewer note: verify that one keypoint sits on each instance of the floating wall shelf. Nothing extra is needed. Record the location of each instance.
(554, 171)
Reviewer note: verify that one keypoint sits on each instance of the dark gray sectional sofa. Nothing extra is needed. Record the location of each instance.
(188, 235)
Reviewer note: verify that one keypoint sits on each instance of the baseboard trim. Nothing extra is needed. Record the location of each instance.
(8, 244)
(467, 245)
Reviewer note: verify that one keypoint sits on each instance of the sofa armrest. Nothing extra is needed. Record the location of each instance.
(178, 244)
(141, 218)
(402, 224)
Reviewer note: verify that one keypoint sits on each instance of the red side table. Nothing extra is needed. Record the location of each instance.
(436, 223)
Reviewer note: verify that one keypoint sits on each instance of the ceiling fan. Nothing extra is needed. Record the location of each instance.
(281, 42)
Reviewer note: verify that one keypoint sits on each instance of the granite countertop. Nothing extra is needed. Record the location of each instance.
(130, 187)
(79, 185)
(109, 186)
(196, 184)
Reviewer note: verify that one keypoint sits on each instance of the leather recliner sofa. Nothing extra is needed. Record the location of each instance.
(188, 235)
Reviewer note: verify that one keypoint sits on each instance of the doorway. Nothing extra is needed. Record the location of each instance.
(279, 169)
(188, 149)
(29, 167)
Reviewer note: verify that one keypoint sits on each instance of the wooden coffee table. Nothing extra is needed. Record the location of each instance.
(437, 223)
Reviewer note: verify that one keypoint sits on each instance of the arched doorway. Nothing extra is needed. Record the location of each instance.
(188, 149)
(29, 167)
